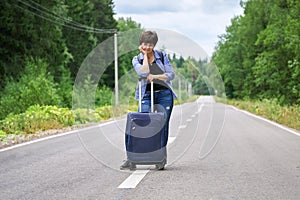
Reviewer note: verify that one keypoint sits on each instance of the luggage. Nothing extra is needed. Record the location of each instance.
(144, 136)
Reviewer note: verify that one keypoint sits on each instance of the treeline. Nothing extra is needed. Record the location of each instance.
(200, 74)
(60, 53)
(44, 43)
(62, 33)
(259, 55)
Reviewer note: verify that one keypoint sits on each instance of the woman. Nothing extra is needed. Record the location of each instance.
(154, 65)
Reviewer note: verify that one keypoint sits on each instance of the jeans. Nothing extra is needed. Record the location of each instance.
(163, 102)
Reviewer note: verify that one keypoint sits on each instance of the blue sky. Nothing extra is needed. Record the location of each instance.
(200, 20)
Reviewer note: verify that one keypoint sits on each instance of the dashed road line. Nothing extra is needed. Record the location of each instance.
(201, 107)
(182, 127)
(171, 140)
(134, 179)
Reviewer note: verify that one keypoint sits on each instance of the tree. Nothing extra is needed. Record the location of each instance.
(91, 23)
(258, 56)
(27, 29)
(228, 57)
(35, 86)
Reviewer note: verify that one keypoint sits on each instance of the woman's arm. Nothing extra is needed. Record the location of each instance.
(145, 66)
(161, 77)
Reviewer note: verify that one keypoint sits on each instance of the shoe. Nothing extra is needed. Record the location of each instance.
(127, 165)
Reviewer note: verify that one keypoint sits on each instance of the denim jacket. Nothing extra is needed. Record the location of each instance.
(166, 67)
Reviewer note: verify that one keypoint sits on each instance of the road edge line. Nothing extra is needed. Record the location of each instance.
(267, 120)
(52, 136)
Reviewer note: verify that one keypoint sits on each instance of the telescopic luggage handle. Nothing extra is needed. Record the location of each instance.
(140, 95)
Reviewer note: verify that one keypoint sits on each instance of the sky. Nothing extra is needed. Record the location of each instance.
(202, 21)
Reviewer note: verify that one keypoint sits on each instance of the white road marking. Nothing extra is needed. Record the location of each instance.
(171, 140)
(206, 99)
(35, 141)
(189, 120)
(182, 127)
(200, 108)
(266, 120)
(52, 136)
(134, 179)
(68, 133)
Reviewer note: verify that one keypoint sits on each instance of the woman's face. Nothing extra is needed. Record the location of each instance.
(147, 47)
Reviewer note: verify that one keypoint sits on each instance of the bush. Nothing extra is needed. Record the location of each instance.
(83, 115)
(104, 112)
(35, 86)
(65, 87)
(2, 134)
(40, 118)
(103, 96)
(37, 118)
(3, 137)
(107, 112)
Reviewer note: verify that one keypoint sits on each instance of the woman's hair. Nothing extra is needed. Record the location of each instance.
(149, 37)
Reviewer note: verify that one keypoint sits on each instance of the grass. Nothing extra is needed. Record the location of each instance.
(36, 119)
(286, 115)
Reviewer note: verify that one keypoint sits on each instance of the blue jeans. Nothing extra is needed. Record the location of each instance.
(163, 102)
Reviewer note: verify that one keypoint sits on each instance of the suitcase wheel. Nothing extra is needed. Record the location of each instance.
(161, 166)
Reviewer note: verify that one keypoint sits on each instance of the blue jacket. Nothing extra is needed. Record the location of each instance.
(166, 68)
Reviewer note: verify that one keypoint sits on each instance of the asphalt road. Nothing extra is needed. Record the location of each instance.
(214, 152)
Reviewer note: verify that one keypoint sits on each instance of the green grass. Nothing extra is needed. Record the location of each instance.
(42, 118)
(270, 109)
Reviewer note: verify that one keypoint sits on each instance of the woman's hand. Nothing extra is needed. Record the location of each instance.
(143, 50)
(145, 65)
(150, 77)
(161, 77)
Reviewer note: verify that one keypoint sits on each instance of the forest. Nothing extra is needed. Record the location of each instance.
(43, 47)
(45, 43)
(259, 55)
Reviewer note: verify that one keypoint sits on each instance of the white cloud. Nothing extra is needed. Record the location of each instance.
(201, 21)
(145, 7)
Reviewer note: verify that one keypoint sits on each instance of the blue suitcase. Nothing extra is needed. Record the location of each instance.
(144, 137)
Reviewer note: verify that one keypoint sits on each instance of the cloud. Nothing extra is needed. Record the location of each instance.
(145, 7)
(213, 7)
(201, 20)
(159, 6)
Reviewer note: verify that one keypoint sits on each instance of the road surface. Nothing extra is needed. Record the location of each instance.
(215, 152)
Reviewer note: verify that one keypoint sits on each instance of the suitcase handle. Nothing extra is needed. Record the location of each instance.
(140, 95)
